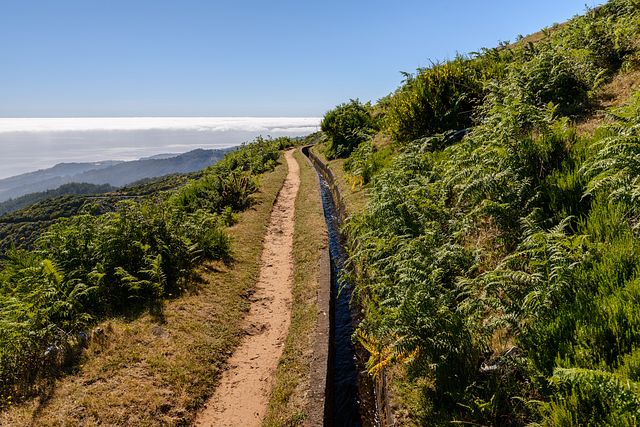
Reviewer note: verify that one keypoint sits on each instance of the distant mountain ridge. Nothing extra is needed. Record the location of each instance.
(112, 172)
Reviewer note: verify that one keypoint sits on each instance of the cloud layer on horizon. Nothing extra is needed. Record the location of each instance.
(264, 125)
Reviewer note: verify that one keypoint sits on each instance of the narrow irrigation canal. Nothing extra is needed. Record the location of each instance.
(349, 395)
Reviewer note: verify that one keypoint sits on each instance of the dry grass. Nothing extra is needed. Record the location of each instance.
(381, 140)
(159, 372)
(619, 89)
(288, 403)
(541, 35)
(611, 95)
(487, 239)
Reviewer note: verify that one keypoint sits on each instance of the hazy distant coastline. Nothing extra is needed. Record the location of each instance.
(30, 144)
(113, 173)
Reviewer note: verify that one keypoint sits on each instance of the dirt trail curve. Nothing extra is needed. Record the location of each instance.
(242, 395)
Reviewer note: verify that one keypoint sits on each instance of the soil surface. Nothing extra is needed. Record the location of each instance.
(242, 395)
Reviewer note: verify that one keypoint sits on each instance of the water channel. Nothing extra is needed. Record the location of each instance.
(350, 401)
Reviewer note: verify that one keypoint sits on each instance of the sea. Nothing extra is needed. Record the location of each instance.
(30, 144)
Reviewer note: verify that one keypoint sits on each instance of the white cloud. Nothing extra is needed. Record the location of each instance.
(262, 125)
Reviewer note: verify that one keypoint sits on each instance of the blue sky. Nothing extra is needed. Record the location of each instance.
(67, 58)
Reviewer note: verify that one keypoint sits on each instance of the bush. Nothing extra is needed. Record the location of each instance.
(592, 397)
(555, 75)
(347, 126)
(614, 168)
(435, 100)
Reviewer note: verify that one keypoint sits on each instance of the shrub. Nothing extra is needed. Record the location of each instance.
(592, 397)
(437, 99)
(347, 126)
(516, 233)
(552, 74)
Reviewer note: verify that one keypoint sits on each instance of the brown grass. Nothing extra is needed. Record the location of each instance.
(613, 94)
(381, 140)
(289, 402)
(619, 89)
(486, 238)
(541, 35)
(152, 372)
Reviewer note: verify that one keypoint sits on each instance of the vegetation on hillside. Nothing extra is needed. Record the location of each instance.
(347, 126)
(497, 261)
(19, 229)
(89, 267)
(18, 203)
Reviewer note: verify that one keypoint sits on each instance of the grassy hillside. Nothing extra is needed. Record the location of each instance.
(150, 369)
(86, 268)
(497, 259)
(22, 227)
(21, 202)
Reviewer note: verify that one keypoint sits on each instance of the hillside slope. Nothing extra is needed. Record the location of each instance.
(21, 202)
(497, 258)
(21, 228)
(150, 369)
(114, 173)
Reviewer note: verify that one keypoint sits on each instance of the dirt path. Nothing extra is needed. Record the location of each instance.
(242, 396)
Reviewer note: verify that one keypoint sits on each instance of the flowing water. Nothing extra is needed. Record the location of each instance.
(349, 396)
(342, 387)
